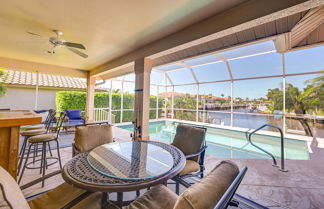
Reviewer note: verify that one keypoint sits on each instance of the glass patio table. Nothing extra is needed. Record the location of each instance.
(124, 166)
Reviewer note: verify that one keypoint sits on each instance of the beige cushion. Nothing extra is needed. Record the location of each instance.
(158, 197)
(190, 167)
(42, 138)
(57, 197)
(208, 191)
(91, 136)
(33, 127)
(10, 193)
(33, 132)
(189, 139)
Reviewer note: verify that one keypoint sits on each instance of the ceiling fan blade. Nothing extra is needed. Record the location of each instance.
(34, 34)
(75, 45)
(77, 52)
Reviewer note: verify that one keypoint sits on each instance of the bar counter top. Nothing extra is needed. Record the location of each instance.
(19, 118)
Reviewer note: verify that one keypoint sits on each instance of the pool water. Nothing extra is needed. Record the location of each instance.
(224, 143)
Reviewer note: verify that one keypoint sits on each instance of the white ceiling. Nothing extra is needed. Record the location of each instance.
(108, 28)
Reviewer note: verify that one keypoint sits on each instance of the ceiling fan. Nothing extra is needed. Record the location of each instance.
(57, 42)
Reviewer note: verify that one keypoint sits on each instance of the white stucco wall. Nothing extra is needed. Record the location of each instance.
(24, 99)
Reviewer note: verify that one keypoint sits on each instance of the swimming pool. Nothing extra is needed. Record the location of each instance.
(225, 143)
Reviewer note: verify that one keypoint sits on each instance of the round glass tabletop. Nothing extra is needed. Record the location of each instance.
(130, 160)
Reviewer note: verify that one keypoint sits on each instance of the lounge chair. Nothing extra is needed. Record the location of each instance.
(213, 191)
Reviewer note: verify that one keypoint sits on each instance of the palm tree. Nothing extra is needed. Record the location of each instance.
(300, 101)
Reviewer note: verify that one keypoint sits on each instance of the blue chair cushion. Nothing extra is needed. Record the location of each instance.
(74, 114)
(77, 122)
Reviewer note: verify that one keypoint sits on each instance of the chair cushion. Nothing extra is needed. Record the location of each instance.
(11, 196)
(91, 136)
(73, 114)
(58, 197)
(208, 191)
(81, 121)
(189, 139)
(42, 138)
(191, 166)
(158, 197)
(33, 132)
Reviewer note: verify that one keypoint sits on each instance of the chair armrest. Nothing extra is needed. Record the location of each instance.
(228, 195)
(197, 153)
(25, 186)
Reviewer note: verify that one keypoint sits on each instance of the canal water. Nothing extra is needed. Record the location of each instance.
(254, 121)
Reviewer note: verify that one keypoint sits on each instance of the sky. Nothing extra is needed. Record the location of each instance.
(268, 63)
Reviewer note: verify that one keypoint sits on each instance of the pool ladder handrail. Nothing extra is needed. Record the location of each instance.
(282, 166)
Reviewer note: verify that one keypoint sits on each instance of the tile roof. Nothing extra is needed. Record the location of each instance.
(45, 80)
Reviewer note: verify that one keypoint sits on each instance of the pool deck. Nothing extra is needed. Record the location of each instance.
(301, 187)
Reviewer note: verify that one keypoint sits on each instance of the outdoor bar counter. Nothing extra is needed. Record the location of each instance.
(10, 122)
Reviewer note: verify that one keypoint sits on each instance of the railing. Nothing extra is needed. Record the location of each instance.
(282, 166)
(101, 114)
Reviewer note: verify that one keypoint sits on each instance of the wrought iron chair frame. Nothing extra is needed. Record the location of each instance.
(201, 154)
(22, 152)
(43, 159)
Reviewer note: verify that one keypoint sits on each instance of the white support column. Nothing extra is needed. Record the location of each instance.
(157, 101)
(110, 102)
(284, 92)
(122, 100)
(36, 90)
(90, 97)
(232, 103)
(197, 104)
(172, 103)
(143, 69)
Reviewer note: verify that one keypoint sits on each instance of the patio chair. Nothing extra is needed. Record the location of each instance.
(90, 136)
(75, 116)
(63, 196)
(42, 140)
(191, 141)
(213, 191)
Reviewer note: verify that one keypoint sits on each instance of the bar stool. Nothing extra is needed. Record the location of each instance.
(50, 114)
(33, 132)
(42, 140)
